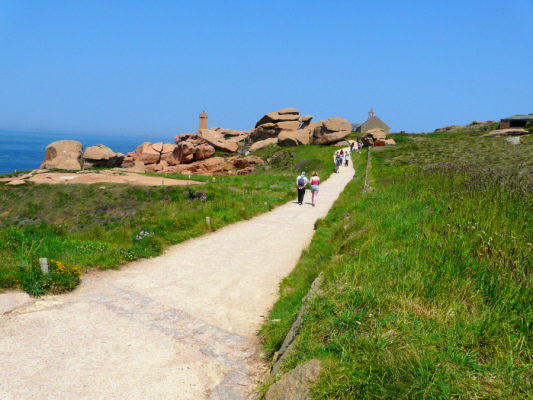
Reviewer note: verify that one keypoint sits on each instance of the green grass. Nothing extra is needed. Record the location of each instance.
(105, 225)
(429, 278)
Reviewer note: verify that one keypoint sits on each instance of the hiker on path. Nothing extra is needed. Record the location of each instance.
(301, 182)
(342, 153)
(352, 146)
(338, 162)
(346, 158)
(315, 181)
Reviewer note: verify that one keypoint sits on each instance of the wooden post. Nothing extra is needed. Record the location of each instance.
(44, 264)
(208, 220)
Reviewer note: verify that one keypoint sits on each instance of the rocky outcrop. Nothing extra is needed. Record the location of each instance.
(63, 154)
(294, 138)
(296, 384)
(231, 134)
(270, 126)
(306, 118)
(376, 134)
(508, 132)
(389, 142)
(218, 141)
(147, 153)
(189, 148)
(331, 130)
(367, 141)
(102, 156)
(247, 162)
(262, 144)
(450, 128)
(214, 165)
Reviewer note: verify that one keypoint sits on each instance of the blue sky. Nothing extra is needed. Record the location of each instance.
(150, 67)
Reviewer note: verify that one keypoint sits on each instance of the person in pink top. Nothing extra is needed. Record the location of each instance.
(314, 181)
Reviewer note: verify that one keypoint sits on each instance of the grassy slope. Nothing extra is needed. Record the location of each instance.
(429, 277)
(105, 225)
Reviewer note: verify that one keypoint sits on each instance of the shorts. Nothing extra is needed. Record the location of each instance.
(314, 188)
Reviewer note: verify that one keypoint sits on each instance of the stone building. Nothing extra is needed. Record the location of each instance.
(203, 121)
(516, 121)
(373, 122)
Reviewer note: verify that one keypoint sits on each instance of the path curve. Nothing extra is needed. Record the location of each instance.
(180, 326)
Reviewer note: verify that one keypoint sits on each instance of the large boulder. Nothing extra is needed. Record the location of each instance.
(367, 141)
(262, 144)
(218, 141)
(508, 132)
(189, 151)
(294, 138)
(147, 154)
(306, 118)
(376, 134)
(286, 114)
(63, 154)
(103, 156)
(309, 125)
(213, 165)
(331, 131)
(247, 162)
(389, 142)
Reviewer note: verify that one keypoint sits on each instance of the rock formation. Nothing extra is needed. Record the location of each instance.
(294, 138)
(331, 130)
(262, 144)
(271, 124)
(218, 141)
(102, 156)
(63, 154)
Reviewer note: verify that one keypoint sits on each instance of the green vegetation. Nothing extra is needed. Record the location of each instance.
(105, 225)
(429, 277)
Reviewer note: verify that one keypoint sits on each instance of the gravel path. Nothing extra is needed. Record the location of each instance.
(179, 326)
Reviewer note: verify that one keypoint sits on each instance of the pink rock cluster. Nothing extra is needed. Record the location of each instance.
(376, 138)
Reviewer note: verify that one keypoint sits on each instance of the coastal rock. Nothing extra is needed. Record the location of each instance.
(367, 141)
(508, 132)
(344, 143)
(309, 125)
(103, 156)
(389, 142)
(262, 144)
(376, 134)
(295, 384)
(189, 151)
(274, 122)
(246, 162)
(135, 166)
(212, 165)
(331, 131)
(285, 114)
(218, 141)
(294, 138)
(306, 118)
(287, 125)
(147, 154)
(63, 154)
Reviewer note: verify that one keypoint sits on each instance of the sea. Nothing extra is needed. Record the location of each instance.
(24, 151)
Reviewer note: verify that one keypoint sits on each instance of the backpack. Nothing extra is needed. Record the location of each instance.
(301, 182)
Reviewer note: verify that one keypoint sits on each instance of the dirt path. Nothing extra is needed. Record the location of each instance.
(178, 326)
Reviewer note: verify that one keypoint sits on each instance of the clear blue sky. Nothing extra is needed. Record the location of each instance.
(150, 67)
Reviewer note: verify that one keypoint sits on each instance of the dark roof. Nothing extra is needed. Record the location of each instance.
(355, 126)
(519, 117)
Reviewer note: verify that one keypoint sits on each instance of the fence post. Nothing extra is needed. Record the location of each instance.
(44, 264)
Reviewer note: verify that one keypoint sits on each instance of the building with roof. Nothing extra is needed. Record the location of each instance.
(516, 121)
(373, 122)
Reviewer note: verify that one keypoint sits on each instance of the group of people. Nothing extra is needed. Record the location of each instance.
(339, 158)
(302, 182)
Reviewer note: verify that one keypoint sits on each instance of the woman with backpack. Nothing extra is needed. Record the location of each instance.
(301, 182)
(315, 181)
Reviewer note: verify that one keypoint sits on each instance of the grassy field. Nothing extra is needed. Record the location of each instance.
(429, 277)
(106, 225)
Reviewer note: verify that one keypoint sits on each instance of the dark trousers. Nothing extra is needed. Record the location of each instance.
(301, 194)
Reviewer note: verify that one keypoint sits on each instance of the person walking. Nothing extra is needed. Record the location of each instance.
(351, 146)
(301, 182)
(346, 158)
(315, 182)
(342, 153)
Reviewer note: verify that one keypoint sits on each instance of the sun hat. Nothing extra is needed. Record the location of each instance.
(303, 173)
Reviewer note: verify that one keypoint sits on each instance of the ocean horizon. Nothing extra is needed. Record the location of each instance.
(24, 151)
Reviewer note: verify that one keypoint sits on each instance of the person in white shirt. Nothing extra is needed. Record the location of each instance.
(301, 182)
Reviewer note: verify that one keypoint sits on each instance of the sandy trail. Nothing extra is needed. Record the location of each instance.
(178, 326)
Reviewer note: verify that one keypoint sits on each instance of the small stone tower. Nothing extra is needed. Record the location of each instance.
(203, 121)
(371, 114)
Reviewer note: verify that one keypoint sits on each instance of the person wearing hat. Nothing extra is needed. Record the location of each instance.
(301, 182)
